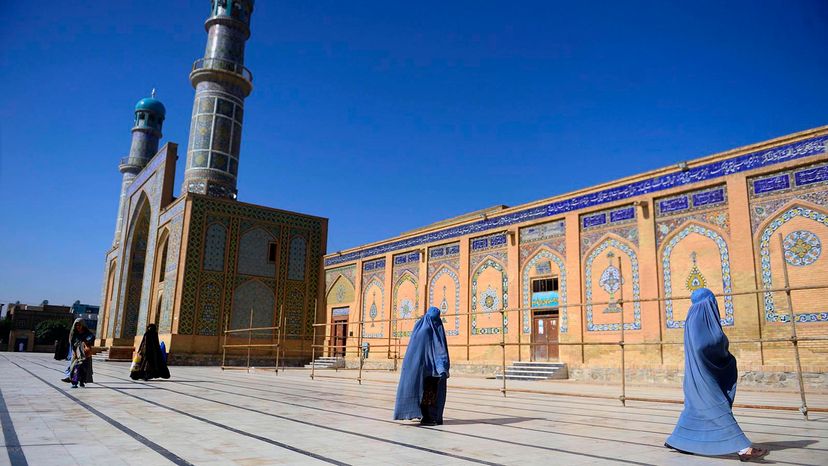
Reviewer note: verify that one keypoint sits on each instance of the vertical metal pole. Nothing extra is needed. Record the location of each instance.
(313, 353)
(623, 396)
(503, 348)
(804, 408)
(519, 332)
(249, 339)
(359, 347)
(279, 334)
(224, 346)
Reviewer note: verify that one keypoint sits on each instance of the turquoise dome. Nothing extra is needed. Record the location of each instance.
(152, 104)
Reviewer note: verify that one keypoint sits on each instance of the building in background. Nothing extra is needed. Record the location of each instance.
(87, 312)
(203, 262)
(728, 222)
(25, 319)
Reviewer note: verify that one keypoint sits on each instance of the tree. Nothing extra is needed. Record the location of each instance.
(48, 331)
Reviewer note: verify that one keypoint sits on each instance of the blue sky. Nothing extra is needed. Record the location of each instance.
(386, 116)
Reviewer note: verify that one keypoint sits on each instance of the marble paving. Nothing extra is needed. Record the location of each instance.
(205, 416)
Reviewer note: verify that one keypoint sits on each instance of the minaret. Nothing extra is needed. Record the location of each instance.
(221, 83)
(146, 131)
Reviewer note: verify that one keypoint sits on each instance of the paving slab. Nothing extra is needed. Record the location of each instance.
(204, 415)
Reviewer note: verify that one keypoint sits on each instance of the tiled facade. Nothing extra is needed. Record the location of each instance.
(205, 263)
(714, 222)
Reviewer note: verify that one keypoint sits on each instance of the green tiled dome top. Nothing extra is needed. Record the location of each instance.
(152, 104)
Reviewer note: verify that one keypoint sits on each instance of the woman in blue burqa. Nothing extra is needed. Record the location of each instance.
(421, 393)
(706, 425)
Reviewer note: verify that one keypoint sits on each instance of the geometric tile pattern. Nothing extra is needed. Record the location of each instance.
(765, 262)
(296, 266)
(724, 256)
(373, 297)
(636, 323)
(445, 260)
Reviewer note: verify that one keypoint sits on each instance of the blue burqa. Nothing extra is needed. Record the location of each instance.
(426, 357)
(707, 426)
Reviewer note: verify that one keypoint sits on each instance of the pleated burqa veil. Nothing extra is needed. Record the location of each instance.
(707, 426)
(426, 356)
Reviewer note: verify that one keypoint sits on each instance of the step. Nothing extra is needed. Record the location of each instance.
(538, 363)
(521, 377)
(514, 371)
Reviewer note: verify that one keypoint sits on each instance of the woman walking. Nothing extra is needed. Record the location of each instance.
(150, 362)
(421, 393)
(81, 340)
(706, 425)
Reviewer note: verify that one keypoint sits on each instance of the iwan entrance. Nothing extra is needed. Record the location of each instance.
(545, 319)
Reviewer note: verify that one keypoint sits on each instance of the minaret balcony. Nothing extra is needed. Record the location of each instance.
(220, 64)
(132, 163)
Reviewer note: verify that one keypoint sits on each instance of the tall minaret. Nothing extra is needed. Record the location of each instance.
(221, 83)
(146, 131)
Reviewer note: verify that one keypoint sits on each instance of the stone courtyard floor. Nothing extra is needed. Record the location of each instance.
(205, 416)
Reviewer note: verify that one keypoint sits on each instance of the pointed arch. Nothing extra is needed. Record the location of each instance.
(404, 309)
(372, 308)
(135, 267)
(341, 291)
(542, 253)
(490, 299)
(793, 210)
(670, 243)
(445, 270)
(616, 242)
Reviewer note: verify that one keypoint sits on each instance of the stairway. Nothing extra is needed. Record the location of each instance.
(526, 370)
(326, 362)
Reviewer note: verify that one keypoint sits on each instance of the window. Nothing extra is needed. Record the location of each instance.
(545, 284)
(271, 252)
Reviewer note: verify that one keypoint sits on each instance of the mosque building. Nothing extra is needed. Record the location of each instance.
(204, 262)
(726, 222)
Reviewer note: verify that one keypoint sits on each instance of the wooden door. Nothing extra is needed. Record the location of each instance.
(339, 335)
(544, 337)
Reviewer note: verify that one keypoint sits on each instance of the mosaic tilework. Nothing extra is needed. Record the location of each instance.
(209, 299)
(489, 300)
(707, 205)
(809, 176)
(724, 256)
(710, 171)
(171, 274)
(332, 274)
(404, 308)
(214, 247)
(620, 221)
(253, 251)
(373, 294)
(372, 309)
(255, 296)
(769, 195)
(239, 212)
(821, 220)
(636, 323)
(802, 248)
(691, 201)
(445, 260)
(139, 256)
(294, 308)
(405, 269)
(296, 264)
(543, 255)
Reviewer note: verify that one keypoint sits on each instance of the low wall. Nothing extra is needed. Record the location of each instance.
(775, 378)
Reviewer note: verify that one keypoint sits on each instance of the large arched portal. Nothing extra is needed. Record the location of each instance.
(139, 236)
